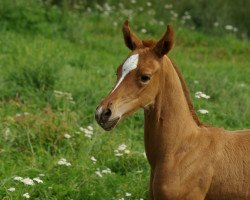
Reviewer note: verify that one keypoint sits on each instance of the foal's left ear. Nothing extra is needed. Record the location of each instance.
(131, 40)
(165, 44)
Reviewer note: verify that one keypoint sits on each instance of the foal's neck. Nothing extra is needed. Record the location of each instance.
(169, 121)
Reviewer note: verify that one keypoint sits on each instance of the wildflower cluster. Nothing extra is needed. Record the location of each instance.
(63, 161)
(88, 131)
(231, 28)
(93, 159)
(203, 111)
(100, 173)
(67, 95)
(199, 95)
(127, 194)
(185, 17)
(26, 181)
(121, 150)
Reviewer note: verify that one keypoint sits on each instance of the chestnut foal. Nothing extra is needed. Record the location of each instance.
(188, 160)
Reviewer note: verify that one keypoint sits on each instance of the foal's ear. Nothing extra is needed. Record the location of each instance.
(131, 40)
(165, 44)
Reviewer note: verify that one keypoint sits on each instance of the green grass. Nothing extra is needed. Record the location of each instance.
(33, 65)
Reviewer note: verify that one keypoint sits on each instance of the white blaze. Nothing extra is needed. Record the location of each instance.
(128, 66)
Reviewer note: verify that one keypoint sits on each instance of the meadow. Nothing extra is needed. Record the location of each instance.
(56, 66)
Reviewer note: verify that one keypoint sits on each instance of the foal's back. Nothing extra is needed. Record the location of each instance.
(231, 180)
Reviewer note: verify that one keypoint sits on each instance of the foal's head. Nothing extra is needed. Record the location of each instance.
(138, 78)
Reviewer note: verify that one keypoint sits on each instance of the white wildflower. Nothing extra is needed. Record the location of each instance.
(121, 5)
(38, 180)
(203, 111)
(122, 147)
(18, 115)
(196, 82)
(26, 195)
(98, 173)
(93, 159)
(90, 128)
(201, 95)
(143, 30)
(242, 85)
(63, 161)
(168, 6)
(12, 189)
(106, 171)
(216, 24)
(141, 9)
(133, 1)
(88, 131)
(89, 9)
(115, 24)
(128, 194)
(121, 150)
(118, 154)
(126, 151)
(149, 4)
(27, 181)
(6, 133)
(161, 23)
(41, 175)
(174, 14)
(18, 178)
(56, 92)
(229, 27)
(67, 136)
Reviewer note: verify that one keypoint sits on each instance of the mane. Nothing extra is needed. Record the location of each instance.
(187, 95)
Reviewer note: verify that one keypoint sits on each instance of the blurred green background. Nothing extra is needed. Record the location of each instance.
(58, 59)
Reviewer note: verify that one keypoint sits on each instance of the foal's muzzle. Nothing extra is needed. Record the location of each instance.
(104, 119)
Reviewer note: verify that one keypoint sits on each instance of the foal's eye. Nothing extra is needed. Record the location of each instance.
(145, 78)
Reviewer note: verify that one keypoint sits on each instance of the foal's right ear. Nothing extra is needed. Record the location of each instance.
(131, 40)
(165, 44)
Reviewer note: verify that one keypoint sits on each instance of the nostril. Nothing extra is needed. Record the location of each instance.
(107, 113)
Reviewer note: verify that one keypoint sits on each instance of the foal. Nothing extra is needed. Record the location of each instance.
(188, 160)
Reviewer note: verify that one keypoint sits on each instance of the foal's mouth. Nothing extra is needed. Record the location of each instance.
(109, 125)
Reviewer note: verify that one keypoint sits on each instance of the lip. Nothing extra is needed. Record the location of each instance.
(109, 125)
